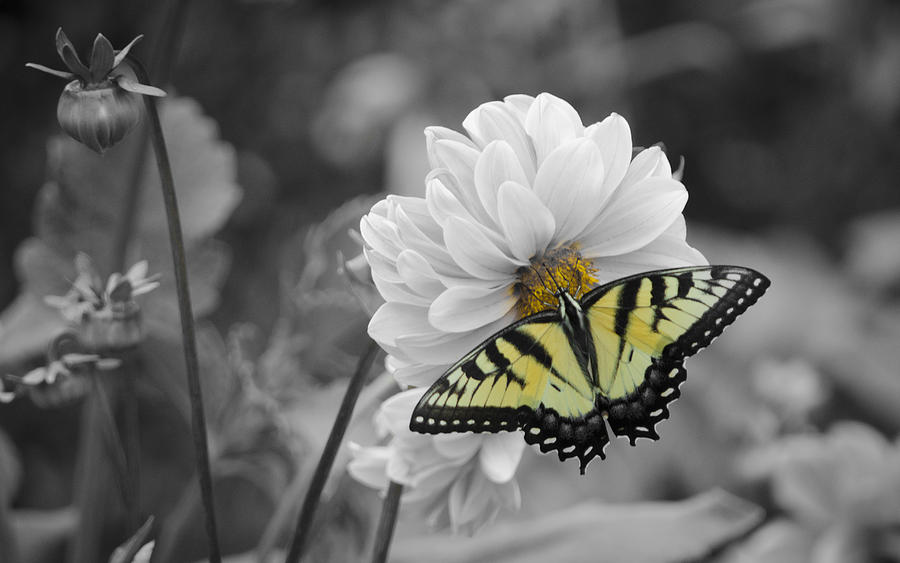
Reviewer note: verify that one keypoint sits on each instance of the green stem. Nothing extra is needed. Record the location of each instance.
(387, 522)
(323, 469)
(188, 333)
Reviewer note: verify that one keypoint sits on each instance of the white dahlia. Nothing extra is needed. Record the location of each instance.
(529, 185)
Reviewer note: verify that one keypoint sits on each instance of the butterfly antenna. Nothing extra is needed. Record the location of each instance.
(544, 280)
(559, 288)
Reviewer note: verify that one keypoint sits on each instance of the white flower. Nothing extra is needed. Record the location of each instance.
(529, 185)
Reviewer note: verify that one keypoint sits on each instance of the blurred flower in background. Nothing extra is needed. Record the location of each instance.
(841, 494)
(106, 315)
(65, 377)
(529, 195)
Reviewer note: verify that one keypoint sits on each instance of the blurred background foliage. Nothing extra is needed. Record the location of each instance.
(292, 115)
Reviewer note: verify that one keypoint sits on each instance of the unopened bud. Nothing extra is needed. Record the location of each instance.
(100, 105)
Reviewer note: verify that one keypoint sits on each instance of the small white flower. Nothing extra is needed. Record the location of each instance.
(106, 314)
(529, 185)
(90, 297)
(57, 373)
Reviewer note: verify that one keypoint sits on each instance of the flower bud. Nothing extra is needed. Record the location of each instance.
(101, 105)
(98, 117)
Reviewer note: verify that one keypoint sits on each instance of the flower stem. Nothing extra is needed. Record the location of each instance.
(323, 469)
(387, 522)
(188, 335)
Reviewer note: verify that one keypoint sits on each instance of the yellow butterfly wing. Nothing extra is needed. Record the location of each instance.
(645, 326)
(526, 376)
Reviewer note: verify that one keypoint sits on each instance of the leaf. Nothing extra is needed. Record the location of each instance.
(78, 210)
(647, 532)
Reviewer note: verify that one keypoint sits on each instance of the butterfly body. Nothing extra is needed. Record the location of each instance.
(615, 357)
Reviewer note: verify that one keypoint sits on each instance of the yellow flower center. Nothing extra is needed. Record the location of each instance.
(555, 270)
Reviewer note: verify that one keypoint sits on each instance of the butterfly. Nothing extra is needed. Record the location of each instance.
(615, 356)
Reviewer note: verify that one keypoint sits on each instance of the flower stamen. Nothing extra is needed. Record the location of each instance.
(558, 269)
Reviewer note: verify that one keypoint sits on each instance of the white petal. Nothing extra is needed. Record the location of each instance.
(445, 199)
(418, 274)
(446, 348)
(36, 376)
(399, 469)
(397, 409)
(520, 104)
(496, 121)
(669, 250)
(526, 222)
(634, 221)
(430, 481)
(418, 375)
(416, 209)
(462, 308)
(380, 234)
(398, 292)
(457, 446)
(649, 162)
(569, 182)
(395, 320)
(469, 500)
(500, 455)
(476, 253)
(138, 271)
(459, 160)
(433, 134)
(613, 136)
(497, 164)
(381, 265)
(551, 122)
(433, 253)
(678, 228)
(368, 465)
(442, 202)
